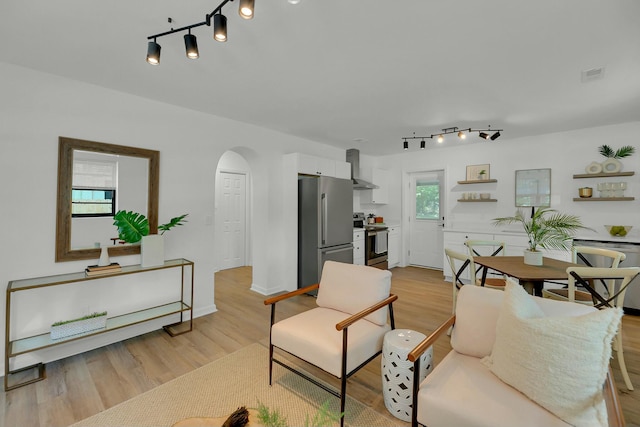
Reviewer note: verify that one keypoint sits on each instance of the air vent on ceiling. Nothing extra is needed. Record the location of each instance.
(592, 74)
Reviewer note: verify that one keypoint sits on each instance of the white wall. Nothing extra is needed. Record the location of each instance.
(37, 108)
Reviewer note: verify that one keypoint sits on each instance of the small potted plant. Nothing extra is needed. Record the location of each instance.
(547, 228)
(67, 328)
(482, 175)
(133, 227)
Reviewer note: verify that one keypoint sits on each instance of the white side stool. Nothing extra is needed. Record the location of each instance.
(397, 371)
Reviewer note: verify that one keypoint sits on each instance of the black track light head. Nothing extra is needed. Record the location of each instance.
(422, 144)
(220, 27)
(483, 135)
(495, 136)
(246, 9)
(406, 145)
(153, 52)
(191, 46)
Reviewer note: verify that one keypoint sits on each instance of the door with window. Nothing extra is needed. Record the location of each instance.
(426, 222)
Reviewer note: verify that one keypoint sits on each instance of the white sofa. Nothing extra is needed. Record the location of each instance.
(463, 391)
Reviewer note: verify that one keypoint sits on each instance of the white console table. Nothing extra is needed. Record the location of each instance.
(16, 346)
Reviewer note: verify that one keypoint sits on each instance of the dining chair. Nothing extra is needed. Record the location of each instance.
(459, 264)
(488, 248)
(608, 257)
(346, 329)
(619, 280)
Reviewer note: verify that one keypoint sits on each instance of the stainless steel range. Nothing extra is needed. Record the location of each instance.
(375, 246)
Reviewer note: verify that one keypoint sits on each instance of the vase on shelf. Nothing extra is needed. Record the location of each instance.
(611, 165)
(152, 250)
(593, 168)
(104, 257)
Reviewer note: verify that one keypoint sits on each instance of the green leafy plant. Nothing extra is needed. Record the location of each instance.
(547, 228)
(270, 418)
(620, 153)
(88, 316)
(133, 225)
(273, 418)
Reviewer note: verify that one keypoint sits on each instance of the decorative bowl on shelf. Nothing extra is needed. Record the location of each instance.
(618, 230)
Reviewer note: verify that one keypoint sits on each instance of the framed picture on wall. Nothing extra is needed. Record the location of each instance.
(478, 172)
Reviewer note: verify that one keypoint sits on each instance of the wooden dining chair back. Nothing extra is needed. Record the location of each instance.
(619, 279)
(493, 279)
(462, 268)
(606, 258)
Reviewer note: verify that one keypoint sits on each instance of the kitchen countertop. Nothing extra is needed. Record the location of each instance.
(632, 238)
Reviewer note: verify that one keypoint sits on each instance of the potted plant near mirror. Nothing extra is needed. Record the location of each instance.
(133, 227)
(547, 228)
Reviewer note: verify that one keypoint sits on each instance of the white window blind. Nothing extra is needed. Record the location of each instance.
(95, 174)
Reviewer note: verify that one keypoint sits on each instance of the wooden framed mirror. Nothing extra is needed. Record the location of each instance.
(68, 148)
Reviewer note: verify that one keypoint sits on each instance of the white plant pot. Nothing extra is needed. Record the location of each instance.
(152, 250)
(532, 258)
(611, 165)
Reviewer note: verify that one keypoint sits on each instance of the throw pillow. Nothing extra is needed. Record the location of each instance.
(560, 363)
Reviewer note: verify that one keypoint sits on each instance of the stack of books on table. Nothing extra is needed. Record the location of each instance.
(98, 270)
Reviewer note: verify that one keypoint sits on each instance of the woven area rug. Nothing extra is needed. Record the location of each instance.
(219, 388)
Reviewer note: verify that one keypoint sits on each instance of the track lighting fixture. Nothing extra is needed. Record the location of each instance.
(191, 46)
(220, 27)
(246, 9)
(462, 134)
(153, 53)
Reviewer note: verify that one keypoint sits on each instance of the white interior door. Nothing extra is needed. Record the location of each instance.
(426, 220)
(232, 209)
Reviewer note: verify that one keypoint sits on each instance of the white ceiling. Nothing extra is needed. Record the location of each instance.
(342, 71)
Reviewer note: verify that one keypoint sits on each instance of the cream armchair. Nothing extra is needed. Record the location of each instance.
(345, 331)
(511, 364)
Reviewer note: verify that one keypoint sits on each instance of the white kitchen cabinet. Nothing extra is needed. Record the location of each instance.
(393, 247)
(312, 165)
(358, 247)
(380, 195)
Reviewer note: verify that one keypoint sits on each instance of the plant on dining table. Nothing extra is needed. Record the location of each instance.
(547, 228)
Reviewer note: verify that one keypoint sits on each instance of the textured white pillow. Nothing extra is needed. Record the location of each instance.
(351, 288)
(560, 363)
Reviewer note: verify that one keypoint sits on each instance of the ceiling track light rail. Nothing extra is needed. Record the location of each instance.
(462, 134)
(220, 30)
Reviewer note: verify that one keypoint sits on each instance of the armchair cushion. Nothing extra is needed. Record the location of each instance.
(559, 362)
(312, 336)
(461, 391)
(352, 288)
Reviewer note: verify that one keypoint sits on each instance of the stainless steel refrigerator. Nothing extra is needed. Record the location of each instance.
(325, 225)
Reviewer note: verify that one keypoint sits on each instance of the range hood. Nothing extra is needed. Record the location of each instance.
(353, 157)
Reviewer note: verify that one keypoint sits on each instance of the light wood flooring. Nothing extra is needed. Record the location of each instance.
(80, 386)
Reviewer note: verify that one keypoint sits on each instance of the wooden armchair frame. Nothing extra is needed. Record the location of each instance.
(614, 409)
(341, 326)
